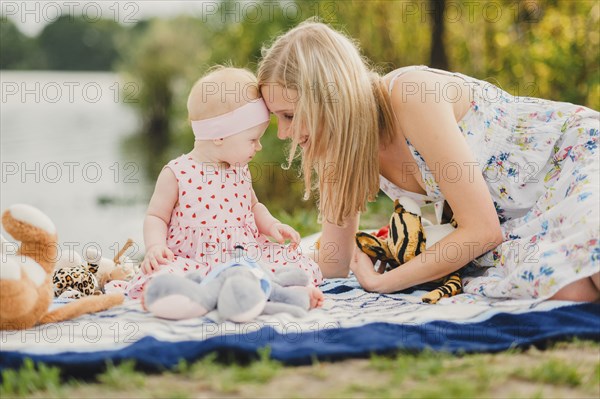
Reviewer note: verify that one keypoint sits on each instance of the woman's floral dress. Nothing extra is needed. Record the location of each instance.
(540, 161)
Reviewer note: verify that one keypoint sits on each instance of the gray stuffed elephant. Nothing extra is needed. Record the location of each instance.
(240, 290)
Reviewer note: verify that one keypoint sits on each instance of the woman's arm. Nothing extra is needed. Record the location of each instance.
(427, 120)
(447, 255)
(336, 247)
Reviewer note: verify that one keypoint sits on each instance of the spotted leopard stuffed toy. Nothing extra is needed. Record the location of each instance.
(76, 281)
(76, 278)
(404, 238)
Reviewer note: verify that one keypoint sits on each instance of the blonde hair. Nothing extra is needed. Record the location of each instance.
(344, 107)
(221, 90)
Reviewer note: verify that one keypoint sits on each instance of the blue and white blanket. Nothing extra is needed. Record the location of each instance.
(352, 323)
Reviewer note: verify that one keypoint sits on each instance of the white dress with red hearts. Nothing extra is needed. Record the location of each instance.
(212, 216)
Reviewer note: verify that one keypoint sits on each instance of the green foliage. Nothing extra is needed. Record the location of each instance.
(277, 187)
(576, 343)
(450, 388)
(539, 49)
(554, 371)
(237, 32)
(159, 60)
(303, 220)
(30, 379)
(71, 43)
(420, 366)
(229, 376)
(122, 376)
(18, 51)
(595, 379)
(260, 371)
(362, 390)
(430, 374)
(422, 375)
(397, 34)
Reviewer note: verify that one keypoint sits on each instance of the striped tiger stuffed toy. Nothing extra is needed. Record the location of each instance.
(406, 239)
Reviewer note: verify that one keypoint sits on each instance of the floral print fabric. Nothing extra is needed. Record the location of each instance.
(540, 161)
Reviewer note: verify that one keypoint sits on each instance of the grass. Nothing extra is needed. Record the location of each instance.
(566, 370)
(228, 376)
(555, 372)
(29, 379)
(122, 376)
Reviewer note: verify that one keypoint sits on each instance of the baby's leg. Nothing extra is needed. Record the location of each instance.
(297, 279)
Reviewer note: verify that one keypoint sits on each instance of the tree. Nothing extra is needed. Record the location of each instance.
(160, 62)
(73, 43)
(18, 51)
(439, 59)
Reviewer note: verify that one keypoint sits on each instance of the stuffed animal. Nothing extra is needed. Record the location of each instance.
(76, 278)
(240, 290)
(26, 289)
(406, 237)
(73, 278)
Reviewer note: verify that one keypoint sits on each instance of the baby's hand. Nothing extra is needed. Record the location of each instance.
(316, 297)
(156, 255)
(281, 232)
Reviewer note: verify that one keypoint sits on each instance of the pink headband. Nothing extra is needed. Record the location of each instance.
(245, 117)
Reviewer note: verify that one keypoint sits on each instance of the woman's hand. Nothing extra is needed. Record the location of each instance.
(156, 256)
(362, 267)
(281, 232)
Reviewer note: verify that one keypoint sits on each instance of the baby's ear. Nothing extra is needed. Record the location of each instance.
(218, 142)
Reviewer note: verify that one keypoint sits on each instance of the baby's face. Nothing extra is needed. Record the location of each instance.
(239, 149)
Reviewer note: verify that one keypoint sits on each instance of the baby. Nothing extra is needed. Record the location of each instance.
(204, 205)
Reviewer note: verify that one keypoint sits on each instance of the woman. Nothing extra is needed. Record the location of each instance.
(521, 175)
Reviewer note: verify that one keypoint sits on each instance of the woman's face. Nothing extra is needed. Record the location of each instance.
(282, 103)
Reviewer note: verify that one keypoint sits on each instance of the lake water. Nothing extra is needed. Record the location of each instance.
(61, 151)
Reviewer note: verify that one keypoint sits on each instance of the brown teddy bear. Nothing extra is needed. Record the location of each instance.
(26, 289)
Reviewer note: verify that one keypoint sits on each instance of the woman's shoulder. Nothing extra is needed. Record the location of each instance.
(403, 70)
(432, 83)
(391, 78)
(414, 75)
(420, 85)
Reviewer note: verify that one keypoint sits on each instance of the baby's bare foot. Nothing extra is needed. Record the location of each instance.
(316, 297)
